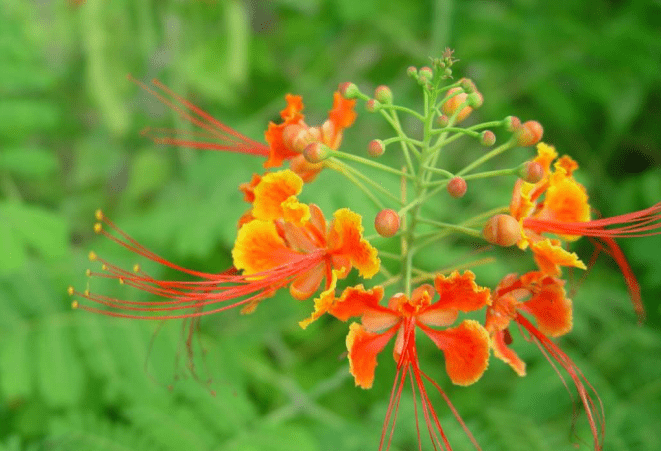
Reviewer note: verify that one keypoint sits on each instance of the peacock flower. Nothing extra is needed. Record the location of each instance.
(465, 347)
(288, 139)
(544, 299)
(285, 141)
(558, 205)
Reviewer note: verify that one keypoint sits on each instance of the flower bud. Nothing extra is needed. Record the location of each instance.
(457, 187)
(512, 123)
(452, 104)
(468, 85)
(348, 90)
(487, 138)
(412, 72)
(425, 73)
(532, 172)
(387, 223)
(442, 121)
(502, 230)
(383, 94)
(475, 99)
(529, 133)
(316, 152)
(376, 148)
(373, 105)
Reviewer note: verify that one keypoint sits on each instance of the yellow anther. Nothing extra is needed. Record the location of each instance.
(98, 214)
(74, 304)
(86, 292)
(70, 290)
(92, 256)
(88, 272)
(121, 280)
(97, 228)
(104, 267)
(136, 268)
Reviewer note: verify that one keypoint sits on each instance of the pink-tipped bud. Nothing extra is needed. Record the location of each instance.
(383, 94)
(454, 103)
(487, 138)
(412, 71)
(512, 123)
(529, 133)
(442, 121)
(532, 172)
(376, 148)
(372, 105)
(316, 152)
(296, 137)
(502, 230)
(457, 187)
(468, 85)
(425, 73)
(475, 99)
(387, 223)
(348, 90)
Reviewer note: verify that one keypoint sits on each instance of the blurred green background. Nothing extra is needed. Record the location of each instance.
(70, 143)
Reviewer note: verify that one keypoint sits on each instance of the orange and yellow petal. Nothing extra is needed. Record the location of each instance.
(566, 201)
(522, 204)
(295, 211)
(550, 307)
(546, 155)
(272, 190)
(324, 301)
(466, 349)
(341, 116)
(357, 301)
(567, 164)
(460, 292)
(550, 257)
(304, 169)
(278, 151)
(363, 348)
(259, 248)
(506, 354)
(247, 188)
(304, 286)
(346, 239)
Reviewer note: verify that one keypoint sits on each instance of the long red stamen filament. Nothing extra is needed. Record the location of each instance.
(634, 224)
(577, 377)
(236, 142)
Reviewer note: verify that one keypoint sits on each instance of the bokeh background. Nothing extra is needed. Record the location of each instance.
(70, 143)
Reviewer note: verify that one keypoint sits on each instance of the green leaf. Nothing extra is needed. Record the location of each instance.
(60, 371)
(28, 161)
(149, 171)
(16, 370)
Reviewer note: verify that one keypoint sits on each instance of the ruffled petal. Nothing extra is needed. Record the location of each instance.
(272, 190)
(247, 188)
(466, 349)
(259, 248)
(506, 354)
(459, 292)
(546, 155)
(324, 301)
(550, 257)
(341, 116)
(295, 211)
(356, 301)
(363, 348)
(304, 286)
(291, 114)
(346, 239)
(550, 307)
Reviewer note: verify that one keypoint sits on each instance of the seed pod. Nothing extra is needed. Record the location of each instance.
(387, 223)
(529, 133)
(502, 230)
(457, 187)
(376, 148)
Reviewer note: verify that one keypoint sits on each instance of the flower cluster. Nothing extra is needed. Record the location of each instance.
(284, 242)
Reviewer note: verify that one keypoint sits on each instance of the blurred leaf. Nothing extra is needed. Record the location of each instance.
(28, 161)
(149, 171)
(16, 378)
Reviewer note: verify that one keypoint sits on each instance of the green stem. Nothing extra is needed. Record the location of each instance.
(496, 151)
(367, 180)
(357, 159)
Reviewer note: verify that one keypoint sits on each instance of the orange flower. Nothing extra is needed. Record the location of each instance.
(565, 212)
(465, 347)
(288, 139)
(284, 243)
(285, 141)
(543, 298)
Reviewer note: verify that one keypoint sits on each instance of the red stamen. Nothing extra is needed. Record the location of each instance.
(578, 378)
(231, 140)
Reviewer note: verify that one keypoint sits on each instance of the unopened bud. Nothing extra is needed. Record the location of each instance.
(373, 105)
(457, 187)
(487, 138)
(532, 172)
(502, 230)
(468, 85)
(376, 148)
(348, 90)
(387, 223)
(454, 103)
(426, 73)
(529, 133)
(383, 94)
(442, 121)
(448, 72)
(316, 152)
(475, 99)
(412, 71)
(512, 123)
